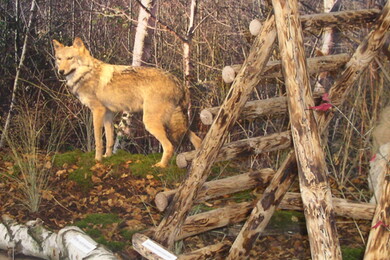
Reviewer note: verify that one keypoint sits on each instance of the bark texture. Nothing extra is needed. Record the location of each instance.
(378, 245)
(312, 171)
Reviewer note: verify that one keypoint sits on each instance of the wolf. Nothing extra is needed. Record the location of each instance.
(105, 89)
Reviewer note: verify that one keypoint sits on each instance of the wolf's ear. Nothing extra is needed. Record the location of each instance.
(78, 43)
(57, 45)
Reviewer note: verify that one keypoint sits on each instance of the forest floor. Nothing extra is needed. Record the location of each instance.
(114, 199)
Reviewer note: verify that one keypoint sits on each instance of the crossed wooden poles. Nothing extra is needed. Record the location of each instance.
(306, 126)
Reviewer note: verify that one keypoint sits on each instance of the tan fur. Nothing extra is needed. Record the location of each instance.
(381, 132)
(107, 88)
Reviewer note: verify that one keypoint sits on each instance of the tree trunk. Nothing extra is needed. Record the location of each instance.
(141, 35)
(312, 171)
(200, 168)
(243, 148)
(18, 68)
(33, 239)
(263, 211)
(274, 68)
(217, 188)
(378, 245)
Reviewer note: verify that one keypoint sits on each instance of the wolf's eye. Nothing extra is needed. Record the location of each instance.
(58, 58)
(69, 58)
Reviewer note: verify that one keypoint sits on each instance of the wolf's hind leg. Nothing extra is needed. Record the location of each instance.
(155, 126)
(109, 131)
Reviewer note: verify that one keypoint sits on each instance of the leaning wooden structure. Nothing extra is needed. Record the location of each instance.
(306, 161)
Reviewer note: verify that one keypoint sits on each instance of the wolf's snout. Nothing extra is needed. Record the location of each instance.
(62, 72)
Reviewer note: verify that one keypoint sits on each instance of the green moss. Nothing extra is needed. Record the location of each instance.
(284, 218)
(69, 158)
(352, 253)
(243, 196)
(90, 223)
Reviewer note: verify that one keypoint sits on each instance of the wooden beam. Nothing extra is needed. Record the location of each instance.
(216, 136)
(245, 147)
(378, 245)
(217, 188)
(274, 68)
(315, 190)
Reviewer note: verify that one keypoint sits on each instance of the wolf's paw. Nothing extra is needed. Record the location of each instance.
(159, 165)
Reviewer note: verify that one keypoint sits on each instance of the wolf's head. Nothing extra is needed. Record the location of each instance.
(70, 58)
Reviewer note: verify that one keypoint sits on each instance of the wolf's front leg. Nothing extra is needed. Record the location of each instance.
(98, 115)
(109, 131)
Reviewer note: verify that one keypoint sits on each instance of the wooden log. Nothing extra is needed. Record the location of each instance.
(200, 168)
(333, 19)
(255, 109)
(150, 249)
(263, 210)
(238, 212)
(314, 186)
(274, 68)
(245, 147)
(217, 188)
(33, 239)
(378, 245)
(216, 251)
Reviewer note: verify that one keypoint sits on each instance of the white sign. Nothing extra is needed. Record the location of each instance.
(82, 244)
(158, 250)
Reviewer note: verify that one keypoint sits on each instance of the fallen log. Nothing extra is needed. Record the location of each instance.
(238, 212)
(217, 188)
(33, 239)
(333, 19)
(246, 147)
(274, 68)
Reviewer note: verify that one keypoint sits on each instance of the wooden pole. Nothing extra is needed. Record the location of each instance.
(274, 68)
(245, 147)
(378, 245)
(312, 171)
(200, 167)
(217, 188)
(333, 19)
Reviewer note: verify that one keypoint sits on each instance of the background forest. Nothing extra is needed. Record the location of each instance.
(47, 118)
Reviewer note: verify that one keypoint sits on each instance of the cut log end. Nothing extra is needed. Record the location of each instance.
(228, 74)
(255, 27)
(181, 161)
(206, 117)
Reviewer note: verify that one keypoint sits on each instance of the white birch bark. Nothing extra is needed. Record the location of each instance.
(33, 239)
